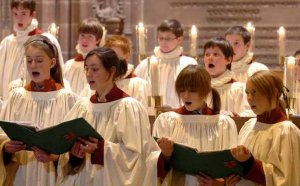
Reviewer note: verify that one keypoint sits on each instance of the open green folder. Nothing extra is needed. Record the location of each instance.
(55, 140)
(216, 164)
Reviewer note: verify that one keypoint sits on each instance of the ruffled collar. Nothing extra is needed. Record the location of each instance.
(79, 51)
(21, 35)
(168, 56)
(226, 77)
(114, 94)
(274, 116)
(204, 111)
(49, 85)
(243, 63)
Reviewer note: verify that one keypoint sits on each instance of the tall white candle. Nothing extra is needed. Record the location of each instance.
(155, 76)
(194, 35)
(290, 75)
(251, 29)
(281, 41)
(141, 38)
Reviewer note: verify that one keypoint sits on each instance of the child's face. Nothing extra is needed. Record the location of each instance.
(167, 41)
(191, 100)
(88, 42)
(240, 49)
(38, 64)
(22, 17)
(215, 62)
(97, 76)
(258, 102)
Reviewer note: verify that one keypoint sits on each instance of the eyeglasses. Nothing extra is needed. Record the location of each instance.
(167, 39)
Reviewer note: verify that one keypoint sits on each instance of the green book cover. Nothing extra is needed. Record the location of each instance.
(216, 164)
(57, 139)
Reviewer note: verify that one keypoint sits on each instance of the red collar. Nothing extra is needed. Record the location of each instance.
(131, 75)
(274, 116)
(205, 111)
(231, 81)
(114, 94)
(79, 58)
(36, 31)
(49, 85)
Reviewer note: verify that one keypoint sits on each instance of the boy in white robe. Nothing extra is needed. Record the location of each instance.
(171, 60)
(43, 102)
(90, 33)
(243, 64)
(194, 124)
(218, 55)
(270, 143)
(118, 159)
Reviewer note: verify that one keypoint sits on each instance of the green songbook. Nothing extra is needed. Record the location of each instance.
(216, 164)
(57, 139)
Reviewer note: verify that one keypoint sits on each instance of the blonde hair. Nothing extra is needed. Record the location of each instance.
(120, 42)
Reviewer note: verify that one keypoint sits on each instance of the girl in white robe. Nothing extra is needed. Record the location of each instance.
(218, 55)
(270, 143)
(194, 124)
(118, 159)
(90, 35)
(131, 84)
(43, 102)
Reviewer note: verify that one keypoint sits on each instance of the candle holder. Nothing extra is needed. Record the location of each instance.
(281, 60)
(142, 57)
(156, 102)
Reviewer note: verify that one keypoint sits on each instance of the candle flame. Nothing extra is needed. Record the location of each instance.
(250, 26)
(281, 30)
(194, 30)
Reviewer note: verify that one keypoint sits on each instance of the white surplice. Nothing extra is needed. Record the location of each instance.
(277, 146)
(203, 132)
(170, 65)
(75, 74)
(43, 110)
(125, 127)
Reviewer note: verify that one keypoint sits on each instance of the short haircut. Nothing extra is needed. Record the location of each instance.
(222, 44)
(297, 53)
(26, 4)
(171, 25)
(91, 26)
(239, 30)
(120, 42)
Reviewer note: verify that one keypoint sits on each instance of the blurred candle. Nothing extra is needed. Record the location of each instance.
(194, 35)
(103, 39)
(155, 76)
(251, 29)
(53, 29)
(281, 41)
(290, 76)
(141, 38)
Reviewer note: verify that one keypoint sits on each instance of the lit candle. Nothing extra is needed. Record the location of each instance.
(251, 29)
(155, 76)
(194, 35)
(103, 39)
(290, 76)
(53, 29)
(141, 38)
(281, 41)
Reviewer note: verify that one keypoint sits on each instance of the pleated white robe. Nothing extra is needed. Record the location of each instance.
(125, 127)
(75, 74)
(277, 146)
(43, 110)
(203, 132)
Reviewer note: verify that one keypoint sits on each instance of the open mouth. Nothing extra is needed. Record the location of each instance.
(91, 82)
(35, 74)
(20, 25)
(211, 65)
(253, 107)
(187, 103)
(84, 45)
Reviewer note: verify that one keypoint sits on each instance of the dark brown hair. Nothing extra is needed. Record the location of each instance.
(26, 4)
(109, 59)
(43, 43)
(239, 30)
(171, 25)
(91, 26)
(196, 78)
